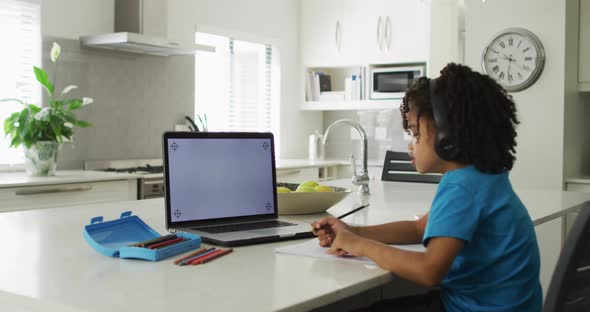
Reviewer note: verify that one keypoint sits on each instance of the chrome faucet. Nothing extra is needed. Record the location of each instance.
(361, 179)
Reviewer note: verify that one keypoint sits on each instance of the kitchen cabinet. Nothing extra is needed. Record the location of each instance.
(322, 30)
(584, 47)
(69, 194)
(352, 32)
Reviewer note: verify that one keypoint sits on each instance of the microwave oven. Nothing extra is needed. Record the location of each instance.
(391, 82)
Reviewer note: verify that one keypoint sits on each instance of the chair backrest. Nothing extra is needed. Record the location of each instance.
(398, 167)
(569, 290)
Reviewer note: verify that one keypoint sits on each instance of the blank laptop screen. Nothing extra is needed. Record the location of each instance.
(214, 178)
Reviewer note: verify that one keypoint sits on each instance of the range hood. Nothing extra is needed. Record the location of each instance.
(129, 33)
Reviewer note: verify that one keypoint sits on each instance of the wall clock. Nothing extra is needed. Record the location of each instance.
(514, 57)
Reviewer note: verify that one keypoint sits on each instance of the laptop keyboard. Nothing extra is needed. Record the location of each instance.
(242, 227)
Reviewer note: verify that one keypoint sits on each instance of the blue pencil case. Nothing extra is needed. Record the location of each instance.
(112, 238)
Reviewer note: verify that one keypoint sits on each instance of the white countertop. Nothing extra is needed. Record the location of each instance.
(20, 178)
(50, 260)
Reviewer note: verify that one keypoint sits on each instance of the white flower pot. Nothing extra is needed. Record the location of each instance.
(41, 158)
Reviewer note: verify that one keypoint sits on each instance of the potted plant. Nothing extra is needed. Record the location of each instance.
(42, 130)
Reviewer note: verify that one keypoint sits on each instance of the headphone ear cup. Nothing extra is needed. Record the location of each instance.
(446, 149)
(445, 146)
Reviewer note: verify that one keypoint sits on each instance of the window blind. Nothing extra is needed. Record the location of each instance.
(236, 85)
(20, 35)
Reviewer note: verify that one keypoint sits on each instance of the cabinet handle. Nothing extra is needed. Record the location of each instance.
(379, 33)
(25, 192)
(338, 36)
(388, 33)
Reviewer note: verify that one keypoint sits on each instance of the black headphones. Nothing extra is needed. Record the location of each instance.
(446, 145)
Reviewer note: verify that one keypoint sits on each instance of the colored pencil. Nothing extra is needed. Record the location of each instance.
(208, 251)
(190, 255)
(212, 257)
(166, 243)
(204, 256)
(152, 241)
(171, 243)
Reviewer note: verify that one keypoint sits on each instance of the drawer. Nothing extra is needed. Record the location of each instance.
(59, 195)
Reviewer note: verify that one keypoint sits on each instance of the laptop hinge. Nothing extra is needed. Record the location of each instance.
(231, 223)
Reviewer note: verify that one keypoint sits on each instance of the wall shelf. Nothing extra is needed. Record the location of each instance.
(351, 105)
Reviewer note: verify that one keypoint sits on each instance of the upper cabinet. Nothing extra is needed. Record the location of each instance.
(584, 53)
(353, 32)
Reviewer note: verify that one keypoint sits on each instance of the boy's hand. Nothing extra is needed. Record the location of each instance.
(347, 243)
(327, 229)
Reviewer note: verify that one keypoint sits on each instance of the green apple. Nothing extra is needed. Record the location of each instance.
(304, 188)
(309, 183)
(323, 188)
(282, 189)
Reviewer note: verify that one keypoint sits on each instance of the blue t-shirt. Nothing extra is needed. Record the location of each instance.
(498, 268)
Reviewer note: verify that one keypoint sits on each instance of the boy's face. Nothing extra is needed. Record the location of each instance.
(421, 149)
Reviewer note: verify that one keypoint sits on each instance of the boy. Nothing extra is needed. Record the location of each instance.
(480, 243)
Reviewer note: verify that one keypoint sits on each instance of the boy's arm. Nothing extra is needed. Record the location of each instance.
(400, 232)
(428, 268)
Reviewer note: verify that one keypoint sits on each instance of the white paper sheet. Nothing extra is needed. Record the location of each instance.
(311, 248)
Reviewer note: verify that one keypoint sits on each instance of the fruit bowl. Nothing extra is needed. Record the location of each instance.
(308, 202)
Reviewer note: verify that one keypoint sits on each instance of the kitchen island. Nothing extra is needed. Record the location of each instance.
(50, 260)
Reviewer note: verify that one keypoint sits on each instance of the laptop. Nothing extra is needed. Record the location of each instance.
(222, 187)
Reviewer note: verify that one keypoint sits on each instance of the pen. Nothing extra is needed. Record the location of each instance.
(349, 213)
(186, 261)
(190, 255)
(353, 211)
(212, 257)
(152, 241)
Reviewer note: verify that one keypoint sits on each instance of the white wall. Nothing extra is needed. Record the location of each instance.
(278, 20)
(74, 18)
(541, 107)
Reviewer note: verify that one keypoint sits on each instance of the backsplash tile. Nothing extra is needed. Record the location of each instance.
(136, 98)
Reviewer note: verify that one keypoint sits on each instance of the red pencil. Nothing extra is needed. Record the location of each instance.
(190, 255)
(168, 242)
(211, 257)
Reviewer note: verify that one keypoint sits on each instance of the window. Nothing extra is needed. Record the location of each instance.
(20, 34)
(238, 85)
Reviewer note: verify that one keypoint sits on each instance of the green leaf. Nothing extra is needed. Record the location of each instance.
(43, 79)
(8, 126)
(83, 124)
(74, 104)
(56, 127)
(34, 108)
(15, 142)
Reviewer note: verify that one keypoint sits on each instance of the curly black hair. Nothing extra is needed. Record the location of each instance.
(481, 114)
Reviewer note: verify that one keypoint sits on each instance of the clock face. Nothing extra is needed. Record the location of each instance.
(514, 58)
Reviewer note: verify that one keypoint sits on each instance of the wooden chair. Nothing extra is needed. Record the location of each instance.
(398, 167)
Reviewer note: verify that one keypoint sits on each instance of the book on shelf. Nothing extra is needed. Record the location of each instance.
(332, 96)
(318, 87)
(315, 84)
